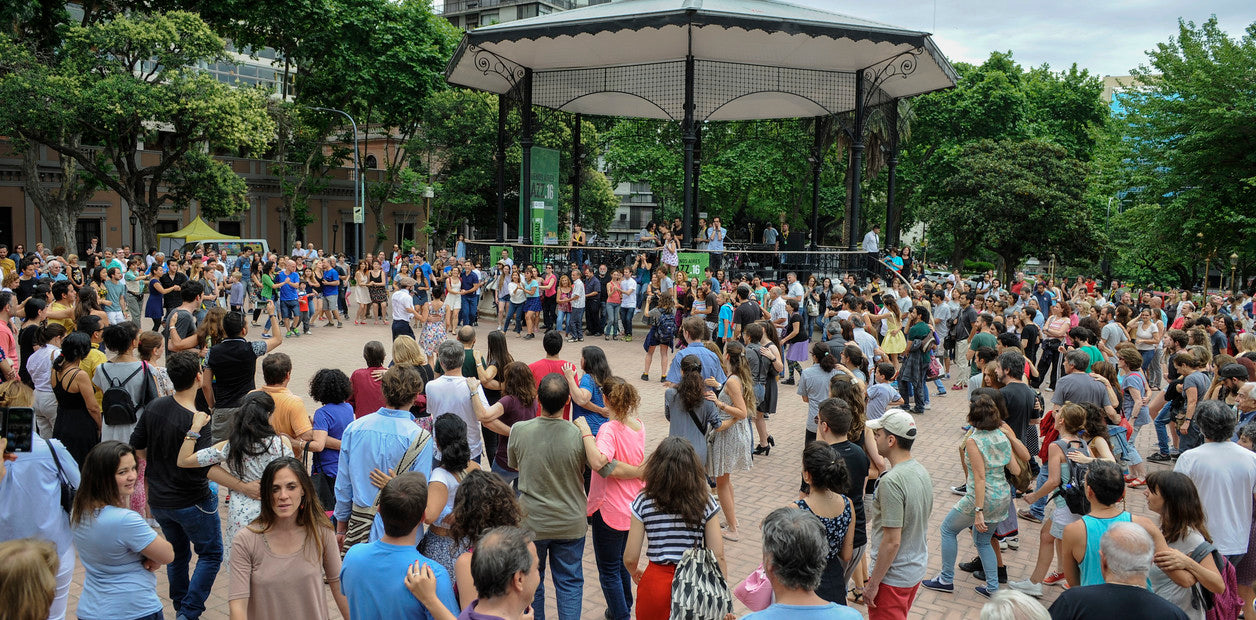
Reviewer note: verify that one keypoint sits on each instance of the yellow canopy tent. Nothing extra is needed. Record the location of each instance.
(195, 231)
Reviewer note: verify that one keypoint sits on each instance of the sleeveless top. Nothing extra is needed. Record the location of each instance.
(996, 451)
(835, 528)
(1091, 570)
(67, 400)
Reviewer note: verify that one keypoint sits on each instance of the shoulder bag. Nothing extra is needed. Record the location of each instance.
(67, 489)
(362, 517)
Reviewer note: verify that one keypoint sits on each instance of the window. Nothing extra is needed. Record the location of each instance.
(405, 231)
(371, 162)
(167, 226)
(527, 10)
(488, 18)
(229, 227)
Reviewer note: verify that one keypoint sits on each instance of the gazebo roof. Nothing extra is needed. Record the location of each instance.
(754, 59)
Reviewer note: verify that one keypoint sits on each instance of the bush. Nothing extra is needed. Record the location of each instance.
(977, 266)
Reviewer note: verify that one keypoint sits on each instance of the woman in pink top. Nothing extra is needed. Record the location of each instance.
(616, 455)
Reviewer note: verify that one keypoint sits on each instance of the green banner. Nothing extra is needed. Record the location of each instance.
(693, 263)
(540, 210)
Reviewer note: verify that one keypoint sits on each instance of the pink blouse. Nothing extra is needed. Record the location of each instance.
(613, 496)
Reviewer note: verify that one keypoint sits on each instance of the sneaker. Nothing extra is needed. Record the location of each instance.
(960, 490)
(627, 338)
(971, 567)
(1054, 579)
(946, 375)
(1047, 389)
(1027, 586)
(980, 575)
(645, 377)
(265, 335)
(1160, 457)
(941, 393)
(1003, 545)
(982, 591)
(1025, 514)
(1013, 542)
(928, 405)
(937, 586)
(789, 381)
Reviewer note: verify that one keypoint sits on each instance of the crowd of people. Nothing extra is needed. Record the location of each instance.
(443, 476)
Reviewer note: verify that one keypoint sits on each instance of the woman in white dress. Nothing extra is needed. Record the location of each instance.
(453, 298)
(250, 447)
(730, 447)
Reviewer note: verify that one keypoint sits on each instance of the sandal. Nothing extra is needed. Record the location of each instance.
(856, 595)
(1137, 482)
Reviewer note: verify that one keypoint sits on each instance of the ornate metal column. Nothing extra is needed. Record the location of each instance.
(856, 154)
(525, 142)
(892, 223)
(817, 163)
(576, 157)
(503, 108)
(697, 175)
(689, 139)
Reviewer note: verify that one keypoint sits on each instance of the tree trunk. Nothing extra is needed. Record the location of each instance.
(148, 225)
(60, 208)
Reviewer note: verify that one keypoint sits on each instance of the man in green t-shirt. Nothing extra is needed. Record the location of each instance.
(898, 518)
(983, 336)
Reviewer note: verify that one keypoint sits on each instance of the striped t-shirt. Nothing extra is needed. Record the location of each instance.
(667, 535)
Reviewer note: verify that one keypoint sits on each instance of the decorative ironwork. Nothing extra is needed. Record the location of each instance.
(487, 62)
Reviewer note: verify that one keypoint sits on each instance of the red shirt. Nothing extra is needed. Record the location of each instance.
(368, 393)
(9, 344)
(543, 367)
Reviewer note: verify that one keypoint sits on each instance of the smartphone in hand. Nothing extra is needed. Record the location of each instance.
(17, 424)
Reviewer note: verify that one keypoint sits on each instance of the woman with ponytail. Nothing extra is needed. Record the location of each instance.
(690, 407)
(824, 470)
(78, 419)
(455, 463)
(730, 448)
(813, 385)
(47, 341)
(240, 460)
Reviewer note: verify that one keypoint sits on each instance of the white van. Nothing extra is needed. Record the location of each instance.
(229, 249)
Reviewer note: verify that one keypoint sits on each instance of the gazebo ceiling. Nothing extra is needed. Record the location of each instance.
(753, 59)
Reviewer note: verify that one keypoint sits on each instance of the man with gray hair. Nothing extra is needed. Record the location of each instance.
(1245, 406)
(504, 568)
(867, 343)
(1126, 551)
(794, 552)
(452, 393)
(1225, 475)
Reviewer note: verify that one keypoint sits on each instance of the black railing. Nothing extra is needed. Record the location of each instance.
(737, 260)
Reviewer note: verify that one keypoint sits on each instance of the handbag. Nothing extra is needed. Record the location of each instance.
(755, 592)
(361, 518)
(67, 490)
(935, 369)
(699, 591)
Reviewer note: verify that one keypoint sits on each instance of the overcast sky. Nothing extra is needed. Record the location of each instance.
(1109, 37)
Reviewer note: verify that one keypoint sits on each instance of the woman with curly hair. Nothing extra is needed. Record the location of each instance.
(286, 555)
(210, 332)
(442, 490)
(483, 502)
(674, 513)
(330, 387)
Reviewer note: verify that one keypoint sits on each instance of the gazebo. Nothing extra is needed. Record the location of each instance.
(695, 61)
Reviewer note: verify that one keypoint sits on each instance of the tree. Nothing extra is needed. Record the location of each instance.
(1017, 198)
(598, 201)
(1183, 161)
(127, 85)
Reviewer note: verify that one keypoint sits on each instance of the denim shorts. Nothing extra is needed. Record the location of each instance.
(289, 309)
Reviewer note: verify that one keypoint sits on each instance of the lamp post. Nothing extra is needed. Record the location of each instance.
(357, 171)
(335, 228)
(1207, 268)
(1234, 264)
(134, 220)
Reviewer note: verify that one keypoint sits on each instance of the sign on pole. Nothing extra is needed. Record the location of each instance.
(693, 263)
(542, 200)
(359, 215)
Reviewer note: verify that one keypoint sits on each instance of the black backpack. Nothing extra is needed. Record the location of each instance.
(1074, 491)
(117, 407)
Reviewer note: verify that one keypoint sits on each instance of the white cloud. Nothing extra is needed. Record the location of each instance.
(1108, 37)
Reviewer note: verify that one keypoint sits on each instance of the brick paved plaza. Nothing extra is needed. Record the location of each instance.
(771, 484)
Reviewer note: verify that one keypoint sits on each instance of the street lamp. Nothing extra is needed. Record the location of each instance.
(134, 220)
(428, 194)
(335, 228)
(1234, 264)
(357, 170)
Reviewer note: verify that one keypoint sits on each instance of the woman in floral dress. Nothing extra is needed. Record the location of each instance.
(433, 319)
(250, 447)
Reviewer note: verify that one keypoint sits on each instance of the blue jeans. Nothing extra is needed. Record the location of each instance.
(510, 477)
(516, 314)
(1039, 508)
(195, 527)
(608, 549)
(611, 312)
(575, 323)
(567, 569)
(625, 317)
(1162, 429)
(920, 389)
(1148, 356)
(561, 323)
(470, 303)
(955, 523)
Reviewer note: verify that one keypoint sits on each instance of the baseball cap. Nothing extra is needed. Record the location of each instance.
(895, 422)
(406, 281)
(1234, 371)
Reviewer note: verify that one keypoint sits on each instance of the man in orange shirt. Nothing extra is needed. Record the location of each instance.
(289, 417)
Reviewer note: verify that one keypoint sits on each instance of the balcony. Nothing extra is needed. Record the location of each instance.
(453, 7)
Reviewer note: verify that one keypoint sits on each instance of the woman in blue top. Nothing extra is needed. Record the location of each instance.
(331, 387)
(532, 307)
(118, 549)
(587, 399)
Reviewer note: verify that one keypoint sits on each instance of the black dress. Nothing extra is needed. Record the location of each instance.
(74, 426)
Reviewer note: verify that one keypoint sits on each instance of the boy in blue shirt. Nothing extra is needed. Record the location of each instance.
(373, 575)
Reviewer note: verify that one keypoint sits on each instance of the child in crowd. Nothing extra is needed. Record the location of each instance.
(882, 394)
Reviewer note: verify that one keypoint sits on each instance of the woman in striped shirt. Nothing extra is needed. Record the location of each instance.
(673, 513)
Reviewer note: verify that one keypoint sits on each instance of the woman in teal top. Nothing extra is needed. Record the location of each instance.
(532, 307)
(987, 450)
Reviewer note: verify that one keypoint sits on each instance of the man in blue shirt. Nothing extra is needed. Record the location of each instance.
(289, 283)
(694, 328)
(384, 440)
(374, 575)
(331, 292)
(715, 244)
(471, 295)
